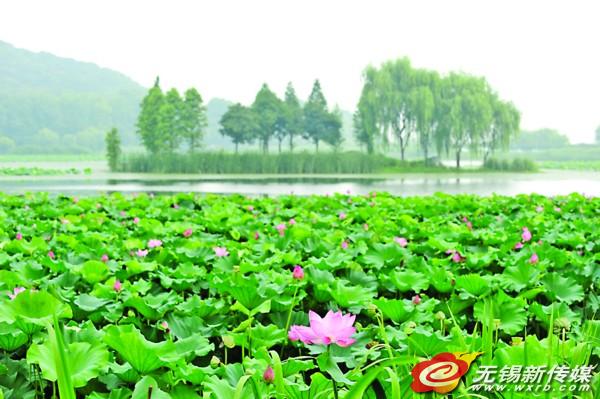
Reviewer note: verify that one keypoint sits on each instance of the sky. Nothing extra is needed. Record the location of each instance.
(544, 56)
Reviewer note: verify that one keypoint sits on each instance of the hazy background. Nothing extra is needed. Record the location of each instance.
(542, 55)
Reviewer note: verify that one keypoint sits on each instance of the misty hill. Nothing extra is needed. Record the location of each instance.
(49, 103)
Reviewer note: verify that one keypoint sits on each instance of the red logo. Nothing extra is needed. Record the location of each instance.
(442, 373)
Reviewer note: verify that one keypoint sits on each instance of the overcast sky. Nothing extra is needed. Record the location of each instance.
(542, 55)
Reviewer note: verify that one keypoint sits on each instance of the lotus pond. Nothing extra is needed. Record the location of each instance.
(191, 296)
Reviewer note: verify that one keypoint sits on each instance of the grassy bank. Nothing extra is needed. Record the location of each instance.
(296, 163)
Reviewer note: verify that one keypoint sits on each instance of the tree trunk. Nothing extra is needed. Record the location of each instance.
(291, 142)
(402, 150)
(317, 145)
(280, 140)
(236, 147)
(458, 159)
(425, 152)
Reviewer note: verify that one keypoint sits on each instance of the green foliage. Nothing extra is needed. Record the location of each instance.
(185, 323)
(514, 165)
(113, 148)
(149, 119)
(193, 118)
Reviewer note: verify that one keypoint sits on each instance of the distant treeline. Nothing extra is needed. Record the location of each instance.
(398, 104)
(166, 120)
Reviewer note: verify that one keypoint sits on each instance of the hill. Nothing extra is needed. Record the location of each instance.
(54, 104)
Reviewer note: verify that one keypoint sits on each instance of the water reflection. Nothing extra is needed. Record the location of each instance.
(556, 183)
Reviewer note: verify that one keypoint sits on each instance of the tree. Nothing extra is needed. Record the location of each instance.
(598, 135)
(267, 108)
(193, 118)
(332, 128)
(422, 104)
(504, 126)
(149, 119)
(315, 115)
(366, 120)
(113, 148)
(170, 124)
(293, 118)
(240, 124)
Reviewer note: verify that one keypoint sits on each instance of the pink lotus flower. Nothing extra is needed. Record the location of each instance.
(136, 220)
(534, 259)
(464, 219)
(557, 208)
(456, 258)
(175, 206)
(16, 291)
(342, 216)
(401, 241)
(269, 375)
(344, 244)
(187, 233)
(539, 209)
(142, 253)
(75, 200)
(518, 245)
(469, 225)
(154, 243)
(250, 208)
(281, 228)
(298, 272)
(334, 328)
(292, 221)
(117, 286)
(221, 251)
(165, 325)
(51, 254)
(366, 227)
(526, 235)
(19, 236)
(104, 258)
(123, 214)
(416, 299)
(256, 235)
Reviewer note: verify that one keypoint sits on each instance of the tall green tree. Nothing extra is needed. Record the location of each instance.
(193, 119)
(170, 125)
(293, 117)
(268, 109)
(113, 148)
(240, 124)
(504, 126)
(422, 104)
(316, 115)
(149, 119)
(367, 120)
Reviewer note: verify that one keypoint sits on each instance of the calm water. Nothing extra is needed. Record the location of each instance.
(546, 183)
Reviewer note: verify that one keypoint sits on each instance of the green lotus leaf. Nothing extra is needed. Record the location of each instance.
(85, 361)
(472, 284)
(143, 355)
(410, 280)
(94, 271)
(396, 310)
(38, 307)
(146, 388)
(511, 312)
(560, 288)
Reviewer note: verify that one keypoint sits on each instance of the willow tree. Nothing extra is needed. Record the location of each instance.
(504, 126)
